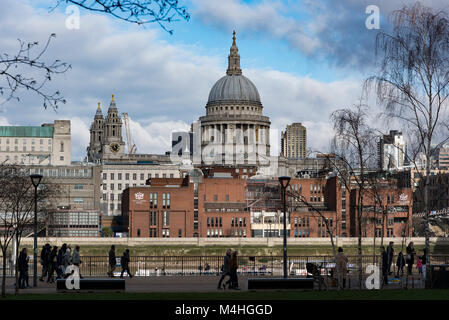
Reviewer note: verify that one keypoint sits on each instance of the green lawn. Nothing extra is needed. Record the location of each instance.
(251, 295)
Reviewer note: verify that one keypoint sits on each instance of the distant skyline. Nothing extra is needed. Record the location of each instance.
(307, 59)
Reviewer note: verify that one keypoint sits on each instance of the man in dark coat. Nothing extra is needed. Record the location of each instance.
(112, 261)
(125, 263)
(384, 265)
(22, 266)
(226, 268)
(44, 260)
(390, 254)
(410, 257)
(52, 262)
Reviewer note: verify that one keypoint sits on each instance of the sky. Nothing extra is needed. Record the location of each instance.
(307, 58)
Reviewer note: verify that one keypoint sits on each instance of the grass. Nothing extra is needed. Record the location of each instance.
(435, 294)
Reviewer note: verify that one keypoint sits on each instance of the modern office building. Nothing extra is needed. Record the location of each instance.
(48, 144)
(294, 141)
(392, 151)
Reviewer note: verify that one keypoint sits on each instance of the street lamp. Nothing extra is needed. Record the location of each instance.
(36, 180)
(284, 181)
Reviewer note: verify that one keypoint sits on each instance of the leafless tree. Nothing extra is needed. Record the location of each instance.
(27, 69)
(413, 80)
(354, 145)
(140, 12)
(17, 210)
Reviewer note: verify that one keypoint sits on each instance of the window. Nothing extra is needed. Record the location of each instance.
(119, 187)
(112, 186)
(41, 141)
(61, 147)
(111, 206)
(112, 176)
(104, 176)
(112, 197)
(134, 176)
(142, 176)
(138, 232)
(166, 218)
(171, 175)
(227, 197)
(153, 218)
(164, 175)
(126, 176)
(104, 186)
(104, 196)
(119, 176)
(215, 197)
(78, 200)
(79, 186)
(179, 233)
(61, 158)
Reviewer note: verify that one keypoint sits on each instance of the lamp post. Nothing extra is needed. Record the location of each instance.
(36, 180)
(284, 181)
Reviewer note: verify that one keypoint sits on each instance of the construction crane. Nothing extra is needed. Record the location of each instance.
(131, 146)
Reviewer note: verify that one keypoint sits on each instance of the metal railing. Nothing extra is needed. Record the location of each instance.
(211, 265)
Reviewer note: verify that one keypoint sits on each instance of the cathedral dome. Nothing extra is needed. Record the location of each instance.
(233, 88)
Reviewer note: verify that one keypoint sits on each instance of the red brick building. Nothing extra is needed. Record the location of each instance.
(235, 207)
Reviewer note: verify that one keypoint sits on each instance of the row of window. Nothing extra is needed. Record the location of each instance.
(215, 222)
(134, 176)
(238, 222)
(24, 149)
(299, 233)
(24, 141)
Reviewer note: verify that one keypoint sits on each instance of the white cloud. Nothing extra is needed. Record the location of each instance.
(161, 86)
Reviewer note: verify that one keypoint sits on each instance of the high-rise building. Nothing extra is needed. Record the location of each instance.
(294, 141)
(48, 144)
(442, 157)
(391, 151)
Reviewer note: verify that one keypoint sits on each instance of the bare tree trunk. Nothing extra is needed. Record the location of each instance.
(4, 273)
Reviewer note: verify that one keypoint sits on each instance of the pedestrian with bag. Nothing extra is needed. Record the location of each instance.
(390, 255)
(53, 264)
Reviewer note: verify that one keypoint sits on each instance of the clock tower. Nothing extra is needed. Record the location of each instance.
(113, 144)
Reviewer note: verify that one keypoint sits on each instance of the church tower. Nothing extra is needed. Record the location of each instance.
(95, 148)
(113, 145)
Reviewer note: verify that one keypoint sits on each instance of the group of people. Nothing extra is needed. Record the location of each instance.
(229, 268)
(57, 260)
(124, 261)
(387, 256)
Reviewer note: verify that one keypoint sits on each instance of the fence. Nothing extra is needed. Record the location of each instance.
(94, 266)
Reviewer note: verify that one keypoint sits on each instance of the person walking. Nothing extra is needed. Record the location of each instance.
(423, 263)
(384, 265)
(53, 264)
(390, 255)
(233, 264)
(225, 268)
(341, 269)
(410, 257)
(125, 263)
(23, 269)
(60, 261)
(112, 261)
(76, 259)
(400, 263)
(67, 258)
(45, 252)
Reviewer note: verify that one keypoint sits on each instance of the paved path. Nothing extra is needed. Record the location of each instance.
(176, 284)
